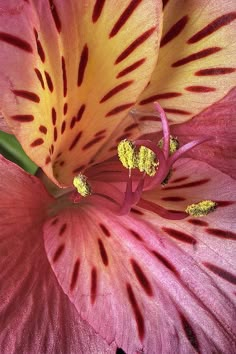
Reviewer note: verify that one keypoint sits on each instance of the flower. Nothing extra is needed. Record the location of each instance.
(153, 279)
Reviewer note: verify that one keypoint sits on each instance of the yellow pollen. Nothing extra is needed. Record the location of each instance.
(82, 186)
(202, 208)
(146, 161)
(127, 154)
(174, 144)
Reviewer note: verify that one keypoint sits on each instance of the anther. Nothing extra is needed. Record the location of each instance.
(127, 154)
(146, 161)
(81, 184)
(174, 144)
(202, 208)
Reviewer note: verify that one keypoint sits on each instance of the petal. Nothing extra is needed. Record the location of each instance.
(196, 65)
(3, 125)
(35, 315)
(210, 240)
(135, 285)
(218, 122)
(82, 66)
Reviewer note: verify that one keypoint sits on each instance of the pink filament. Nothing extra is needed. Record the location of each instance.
(165, 129)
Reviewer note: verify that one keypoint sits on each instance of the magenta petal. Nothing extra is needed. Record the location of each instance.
(35, 315)
(136, 285)
(217, 121)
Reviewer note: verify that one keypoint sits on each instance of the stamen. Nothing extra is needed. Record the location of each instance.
(147, 161)
(202, 208)
(82, 186)
(174, 144)
(127, 154)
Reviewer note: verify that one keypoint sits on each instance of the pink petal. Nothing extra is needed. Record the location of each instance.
(218, 122)
(136, 285)
(3, 125)
(35, 315)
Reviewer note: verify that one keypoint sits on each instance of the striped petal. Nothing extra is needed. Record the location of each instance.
(128, 275)
(71, 72)
(35, 314)
(196, 64)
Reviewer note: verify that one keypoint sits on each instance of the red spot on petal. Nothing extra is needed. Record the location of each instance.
(55, 15)
(124, 17)
(198, 222)
(173, 199)
(214, 71)
(80, 112)
(137, 313)
(103, 252)
(225, 234)
(55, 134)
(136, 235)
(200, 89)
(165, 262)
(54, 116)
(48, 160)
(196, 56)
(136, 211)
(40, 77)
(39, 47)
(141, 277)
(100, 132)
(119, 109)
(189, 185)
(62, 229)
(179, 235)
(16, 42)
(63, 127)
(130, 127)
(65, 108)
(75, 141)
(75, 274)
(174, 31)
(58, 253)
(131, 68)
(93, 285)
(177, 111)
(160, 96)
(97, 10)
(180, 179)
(93, 142)
(31, 96)
(23, 118)
(72, 123)
(63, 67)
(37, 142)
(43, 129)
(49, 81)
(135, 44)
(105, 230)
(224, 274)
(82, 64)
(191, 336)
(212, 27)
(79, 169)
(116, 90)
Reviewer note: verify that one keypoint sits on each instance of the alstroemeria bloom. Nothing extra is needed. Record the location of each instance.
(145, 276)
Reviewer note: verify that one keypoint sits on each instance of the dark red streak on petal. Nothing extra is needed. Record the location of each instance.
(43, 129)
(222, 233)
(177, 111)
(75, 141)
(92, 142)
(124, 17)
(160, 96)
(116, 90)
(165, 262)
(151, 119)
(58, 253)
(103, 252)
(191, 336)
(97, 10)
(214, 71)
(63, 127)
(131, 126)
(123, 136)
(49, 81)
(165, 2)
(54, 222)
(130, 68)
(55, 15)
(79, 169)
(135, 44)
(141, 277)
(119, 109)
(138, 315)
(39, 76)
(136, 211)
(189, 185)
(31, 96)
(23, 118)
(65, 108)
(200, 89)
(212, 27)
(180, 179)
(55, 134)
(100, 132)
(54, 116)
(80, 112)
(48, 160)
(231, 278)
(75, 274)
(179, 235)
(82, 64)
(62, 229)
(37, 142)
(174, 31)
(64, 77)
(72, 123)
(93, 285)
(52, 149)
(16, 42)
(196, 56)
(198, 222)
(224, 203)
(173, 199)
(39, 47)
(105, 230)
(136, 235)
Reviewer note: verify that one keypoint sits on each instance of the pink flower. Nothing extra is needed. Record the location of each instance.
(126, 265)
